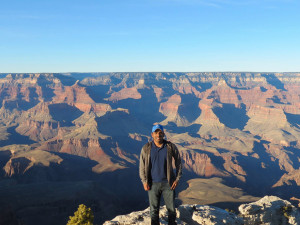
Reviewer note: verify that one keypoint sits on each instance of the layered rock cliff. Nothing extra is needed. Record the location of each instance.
(223, 117)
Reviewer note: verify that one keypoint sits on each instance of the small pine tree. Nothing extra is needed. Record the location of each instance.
(83, 216)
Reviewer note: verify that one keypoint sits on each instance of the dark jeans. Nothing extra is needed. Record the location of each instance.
(164, 189)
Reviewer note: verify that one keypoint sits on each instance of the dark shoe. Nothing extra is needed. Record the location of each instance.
(154, 222)
(171, 220)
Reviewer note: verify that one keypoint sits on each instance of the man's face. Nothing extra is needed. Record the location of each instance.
(158, 136)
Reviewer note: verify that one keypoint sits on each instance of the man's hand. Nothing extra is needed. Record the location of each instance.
(146, 186)
(174, 185)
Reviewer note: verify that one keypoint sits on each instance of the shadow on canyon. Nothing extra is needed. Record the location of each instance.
(45, 84)
(98, 92)
(15, 138)
(189, 107)
(49, 195)
(191, 130)
(145, 109)
(232, 117)
(293, 119)
(262, 173)
(64, 113)
(274, 81)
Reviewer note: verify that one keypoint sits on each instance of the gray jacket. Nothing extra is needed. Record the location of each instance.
(172, 151)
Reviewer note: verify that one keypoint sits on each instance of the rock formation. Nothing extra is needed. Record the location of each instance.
(270, 210)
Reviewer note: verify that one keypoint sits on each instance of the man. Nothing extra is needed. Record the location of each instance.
(156, 173)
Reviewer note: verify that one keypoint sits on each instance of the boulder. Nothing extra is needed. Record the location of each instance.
(270, 210)
(208, 215)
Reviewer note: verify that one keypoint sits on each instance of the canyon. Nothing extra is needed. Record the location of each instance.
(67, 139)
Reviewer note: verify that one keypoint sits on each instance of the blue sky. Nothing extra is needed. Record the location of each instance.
(149, 35)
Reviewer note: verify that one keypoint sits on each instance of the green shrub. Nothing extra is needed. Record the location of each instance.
(286, 211)
(230, 210)
(83, 216)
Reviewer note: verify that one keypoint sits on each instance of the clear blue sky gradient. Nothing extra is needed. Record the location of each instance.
(149, 35)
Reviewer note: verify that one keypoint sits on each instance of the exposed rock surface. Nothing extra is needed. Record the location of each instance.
(269, 210)
(186, 214)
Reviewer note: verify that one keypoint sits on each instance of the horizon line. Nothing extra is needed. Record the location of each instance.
(154, 72)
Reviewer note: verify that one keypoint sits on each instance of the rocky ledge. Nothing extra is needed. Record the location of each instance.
(270, 210)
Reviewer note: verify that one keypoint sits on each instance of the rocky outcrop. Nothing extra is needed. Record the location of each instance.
(38, 131)
(170, 110)
(71, 94)
(98, 108)
(23, 158)
(184, 85)
(16, 166)
(37, 123)
(289, 178)
(125, 93)
(89, 148)
(186, 215)
(200, 164)
(269, 210)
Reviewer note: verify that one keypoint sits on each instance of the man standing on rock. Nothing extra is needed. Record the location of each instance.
(156, 173)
